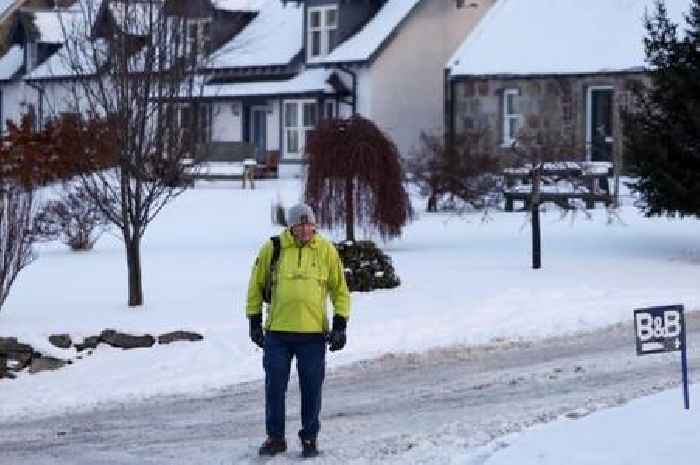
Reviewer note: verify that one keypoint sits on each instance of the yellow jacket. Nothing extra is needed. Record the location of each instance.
(305, 277)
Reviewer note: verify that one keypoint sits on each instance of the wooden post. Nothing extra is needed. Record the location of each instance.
(590, 202)
(535, 217)
(509, 203)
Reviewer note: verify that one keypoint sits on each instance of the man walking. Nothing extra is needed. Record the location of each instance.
(300, 277)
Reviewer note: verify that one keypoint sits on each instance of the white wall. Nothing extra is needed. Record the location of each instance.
(226, 126)
(16, 96)
(407, 94)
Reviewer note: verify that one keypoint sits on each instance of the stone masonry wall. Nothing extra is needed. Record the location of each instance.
(554, 103)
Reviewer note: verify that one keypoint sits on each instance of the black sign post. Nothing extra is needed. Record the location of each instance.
(662, 329)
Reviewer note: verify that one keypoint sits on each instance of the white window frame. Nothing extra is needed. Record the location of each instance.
(509, 117)
(323, 29)
(300, 129)
(589, 117)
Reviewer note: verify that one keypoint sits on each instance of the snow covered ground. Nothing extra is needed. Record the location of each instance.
(464, 282)
(647, 431)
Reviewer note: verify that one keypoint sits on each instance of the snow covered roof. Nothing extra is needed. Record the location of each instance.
(273, 37)
(11, 62)
(308, 81)
(238, 5)
(50, 25)
(5, 6)
(521, 37)
(82, 62)
(376, 32)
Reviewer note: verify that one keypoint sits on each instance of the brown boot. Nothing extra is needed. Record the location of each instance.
(272, 446)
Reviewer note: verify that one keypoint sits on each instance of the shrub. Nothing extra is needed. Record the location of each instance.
(366, 266)
(73, 219)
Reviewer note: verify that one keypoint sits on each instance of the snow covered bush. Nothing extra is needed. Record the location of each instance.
(366, 266)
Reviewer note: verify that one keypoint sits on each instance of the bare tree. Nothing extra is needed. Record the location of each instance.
(540, 152)
(466, 169)
(139, 72)
(16, 203)
(16, 210)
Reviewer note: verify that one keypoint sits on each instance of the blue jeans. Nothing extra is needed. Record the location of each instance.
(311, 368)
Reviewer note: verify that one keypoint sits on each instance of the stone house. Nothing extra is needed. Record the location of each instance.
(571, 74)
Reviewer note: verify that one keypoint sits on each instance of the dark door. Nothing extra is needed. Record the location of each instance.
(259, 131)
(601, 135)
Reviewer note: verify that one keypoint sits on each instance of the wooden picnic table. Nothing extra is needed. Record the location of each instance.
(589, 185)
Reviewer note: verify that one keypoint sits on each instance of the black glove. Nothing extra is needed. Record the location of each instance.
(337, 338)
(256, 331)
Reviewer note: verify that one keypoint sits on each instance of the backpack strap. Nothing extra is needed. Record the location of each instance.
(267, 291)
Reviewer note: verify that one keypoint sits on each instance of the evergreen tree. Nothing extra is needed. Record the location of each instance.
(662, 131)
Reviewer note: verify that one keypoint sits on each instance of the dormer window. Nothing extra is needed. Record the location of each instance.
(198, 36)
(322, 28)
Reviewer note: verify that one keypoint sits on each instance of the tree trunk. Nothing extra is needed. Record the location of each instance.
(133, 261)
(349, 210)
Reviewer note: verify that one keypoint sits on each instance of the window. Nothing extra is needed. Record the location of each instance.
(300, 118)
(329, 110)
(195, 123)
(198, 37)
(322, 27)
(31, 112)
(512, 119)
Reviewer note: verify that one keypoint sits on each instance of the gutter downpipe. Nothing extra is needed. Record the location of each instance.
(353, 75)
(449, 108)
(350, 184)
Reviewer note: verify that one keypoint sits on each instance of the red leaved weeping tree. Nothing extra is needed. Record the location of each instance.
(355, 176)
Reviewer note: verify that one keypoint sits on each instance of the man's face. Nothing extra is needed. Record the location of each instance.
(303, 232)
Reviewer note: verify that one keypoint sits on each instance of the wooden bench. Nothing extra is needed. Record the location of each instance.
(226, 161)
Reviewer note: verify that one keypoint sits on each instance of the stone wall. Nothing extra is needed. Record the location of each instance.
(552, 103)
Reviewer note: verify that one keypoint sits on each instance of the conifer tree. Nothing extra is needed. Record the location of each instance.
(662, 130)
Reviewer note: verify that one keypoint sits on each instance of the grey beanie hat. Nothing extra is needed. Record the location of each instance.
(300, 214)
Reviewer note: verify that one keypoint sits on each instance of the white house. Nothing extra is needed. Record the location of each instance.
(277, 67)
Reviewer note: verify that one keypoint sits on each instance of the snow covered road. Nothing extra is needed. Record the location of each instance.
(447, 406)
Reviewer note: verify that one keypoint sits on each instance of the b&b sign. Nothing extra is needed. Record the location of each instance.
(662, 329)
(659, 329)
